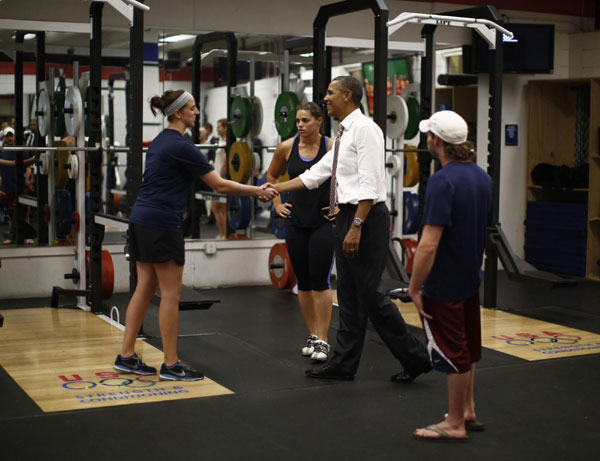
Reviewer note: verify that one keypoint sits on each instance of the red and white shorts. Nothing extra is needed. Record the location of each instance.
(453, 334)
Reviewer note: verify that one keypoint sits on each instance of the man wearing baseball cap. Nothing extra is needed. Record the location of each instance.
(446, 275)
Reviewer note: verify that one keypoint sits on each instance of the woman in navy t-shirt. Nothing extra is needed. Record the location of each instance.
(156, 244)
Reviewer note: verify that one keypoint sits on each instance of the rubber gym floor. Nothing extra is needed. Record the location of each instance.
(250, 342)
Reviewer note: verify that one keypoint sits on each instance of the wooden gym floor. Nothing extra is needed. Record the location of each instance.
(536, 386)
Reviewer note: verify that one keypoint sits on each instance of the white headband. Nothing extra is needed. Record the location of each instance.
(178, 103)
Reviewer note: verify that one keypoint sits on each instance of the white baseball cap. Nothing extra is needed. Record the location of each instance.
(7, 130)
(448, 125)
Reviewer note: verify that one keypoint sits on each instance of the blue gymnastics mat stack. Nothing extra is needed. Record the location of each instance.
(555, 236)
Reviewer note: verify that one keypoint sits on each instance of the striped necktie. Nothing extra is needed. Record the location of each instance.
(333, 185)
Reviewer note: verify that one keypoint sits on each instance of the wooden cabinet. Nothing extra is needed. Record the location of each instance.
(552, 131)
(462, 100)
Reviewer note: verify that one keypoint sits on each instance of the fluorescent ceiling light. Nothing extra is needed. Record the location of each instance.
(307, 55)
(177, 38)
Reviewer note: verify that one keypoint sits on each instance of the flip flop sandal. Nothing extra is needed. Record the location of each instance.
(443, 435)
(474, 425)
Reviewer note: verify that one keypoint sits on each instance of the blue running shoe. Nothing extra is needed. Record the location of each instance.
(179, 372)
(133, 364)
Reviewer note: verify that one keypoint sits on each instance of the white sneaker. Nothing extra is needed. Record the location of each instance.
(321, 352)
(309, 347)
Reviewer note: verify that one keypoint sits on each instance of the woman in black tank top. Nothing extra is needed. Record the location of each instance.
(309, 235)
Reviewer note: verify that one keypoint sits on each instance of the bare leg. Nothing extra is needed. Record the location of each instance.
(169, 277)
(308, 311)
(454, 424)
(138, 305)
(220, 212)
(469, 411)
(322, 306)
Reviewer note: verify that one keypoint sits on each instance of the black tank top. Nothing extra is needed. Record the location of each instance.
(307, 205)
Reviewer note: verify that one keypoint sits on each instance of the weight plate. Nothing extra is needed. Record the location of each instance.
(73, 110)
(73, 170)
(43, 112)
(285, 114)
(116, 202)
(240, 162)
(397, 117)
(410, 248)
(393, 165)
(256, 162)
(108, 273)
(414, 115)
(241, 116)
(239, 210)
(411, 166)
(411, 213)
(44, 163)
(281, 271)
(60, 128)
(257, 116)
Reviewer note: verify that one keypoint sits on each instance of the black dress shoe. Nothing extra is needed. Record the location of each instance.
(407, 377)
(329, 372)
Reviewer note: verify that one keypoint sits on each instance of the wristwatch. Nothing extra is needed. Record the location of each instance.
(357, 222)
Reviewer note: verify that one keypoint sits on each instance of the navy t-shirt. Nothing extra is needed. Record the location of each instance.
(459, 198)
(9, 173)
(172, 164)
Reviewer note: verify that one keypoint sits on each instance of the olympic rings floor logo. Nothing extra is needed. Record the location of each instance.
(528, 339)
(108, 379)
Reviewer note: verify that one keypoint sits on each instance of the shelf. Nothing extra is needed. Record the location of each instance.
(595, 220)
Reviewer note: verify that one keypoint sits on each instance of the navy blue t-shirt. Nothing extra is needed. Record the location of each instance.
(459, 198)
(9, 173)
(172, 164)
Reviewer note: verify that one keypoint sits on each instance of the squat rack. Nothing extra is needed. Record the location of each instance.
(487, 23)
(132, 10)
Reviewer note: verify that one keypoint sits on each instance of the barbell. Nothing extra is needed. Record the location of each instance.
(86, 148)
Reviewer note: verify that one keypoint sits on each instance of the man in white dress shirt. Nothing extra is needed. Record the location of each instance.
(362, 238)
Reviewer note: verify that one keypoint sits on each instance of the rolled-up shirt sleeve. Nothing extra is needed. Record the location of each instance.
(369, 146)
(318, 173)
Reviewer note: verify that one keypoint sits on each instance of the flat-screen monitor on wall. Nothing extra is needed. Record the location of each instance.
(530, 51)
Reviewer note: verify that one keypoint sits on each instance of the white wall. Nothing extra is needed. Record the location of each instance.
(30, 272)
(584, 55)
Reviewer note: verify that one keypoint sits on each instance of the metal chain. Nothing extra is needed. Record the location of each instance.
(582, 125)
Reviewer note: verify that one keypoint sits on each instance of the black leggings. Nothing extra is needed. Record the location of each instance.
(311, 253)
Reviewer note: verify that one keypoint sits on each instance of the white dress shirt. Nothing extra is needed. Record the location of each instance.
(361, 163)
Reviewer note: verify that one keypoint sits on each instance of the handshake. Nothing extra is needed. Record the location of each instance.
(268, 192)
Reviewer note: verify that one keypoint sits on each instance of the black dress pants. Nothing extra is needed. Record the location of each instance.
(361, 296)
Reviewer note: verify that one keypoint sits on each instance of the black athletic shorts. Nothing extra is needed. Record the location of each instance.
(154, 245)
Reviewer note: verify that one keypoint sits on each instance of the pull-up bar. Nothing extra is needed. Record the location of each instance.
(127, 10)
(486, 28)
